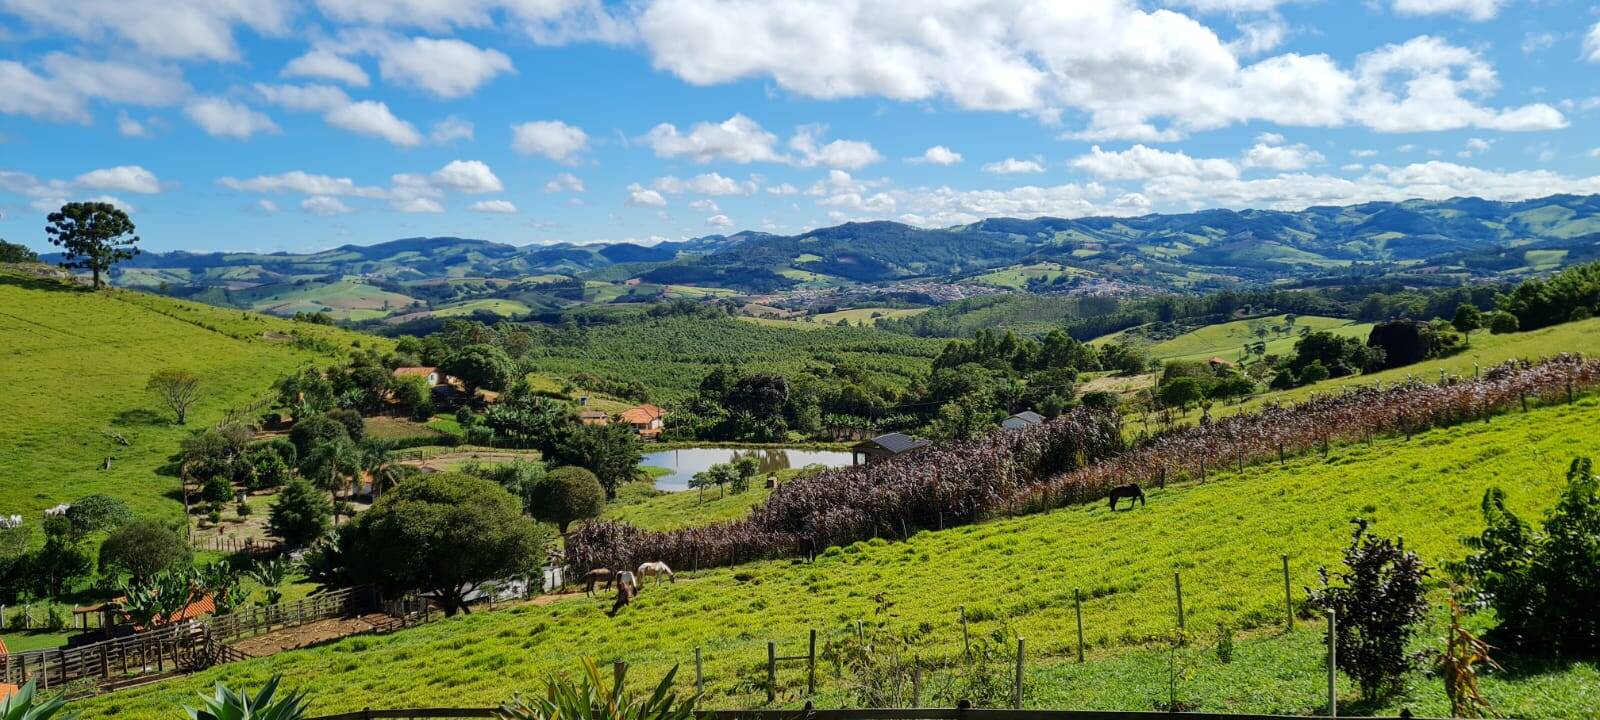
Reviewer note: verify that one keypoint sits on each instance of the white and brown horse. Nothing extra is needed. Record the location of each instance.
(656, 570)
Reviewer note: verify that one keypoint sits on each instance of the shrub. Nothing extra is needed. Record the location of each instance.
(96, 513)
(225, 704)
(1501, 323)
(1542, 585)
(25, 704)
(216, 489)
(1377, 607)
(590, 698)
(143, 548)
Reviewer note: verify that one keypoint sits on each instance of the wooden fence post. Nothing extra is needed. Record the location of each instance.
(966, 639)
(916, 683)
(1177, 585)
(1077, 601)
(1333, 665)
(619, 671)
(811, 665)
(1017, 698)
(699, 673)
(1288, 597)
(772, 671)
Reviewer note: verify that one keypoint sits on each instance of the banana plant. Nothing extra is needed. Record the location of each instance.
(24, 704)
(590, 699)
(225, 704)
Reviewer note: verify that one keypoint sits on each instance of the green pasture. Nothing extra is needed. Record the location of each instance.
(867, 315)
(503, 308)
(1227, 340)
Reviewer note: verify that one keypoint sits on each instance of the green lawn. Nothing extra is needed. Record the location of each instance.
(1227, 340)
(75, 362)
(503, 308)
(1017, 575)
(656, 510)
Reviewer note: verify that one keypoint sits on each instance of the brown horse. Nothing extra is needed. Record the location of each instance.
(1132, 492)
(597, 575)
(625, 593)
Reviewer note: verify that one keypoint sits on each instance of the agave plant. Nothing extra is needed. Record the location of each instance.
(25, 705)
(589, 699)
(227, 704)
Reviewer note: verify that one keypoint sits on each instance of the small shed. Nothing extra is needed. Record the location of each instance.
(884, 447)
(431, 374)
(594, 417)
(1021, 420)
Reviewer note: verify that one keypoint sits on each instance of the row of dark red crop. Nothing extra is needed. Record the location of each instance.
(1076, 458)
(947, 483)
(1356, 414)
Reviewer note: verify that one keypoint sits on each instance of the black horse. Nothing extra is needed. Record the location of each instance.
(1133, 493)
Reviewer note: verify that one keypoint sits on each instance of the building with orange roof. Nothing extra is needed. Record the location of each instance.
(646, 420)
(431, 374)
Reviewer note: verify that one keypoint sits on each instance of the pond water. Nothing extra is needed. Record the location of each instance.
(685, 462)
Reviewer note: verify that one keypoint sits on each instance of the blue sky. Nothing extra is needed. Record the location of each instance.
(297, 125)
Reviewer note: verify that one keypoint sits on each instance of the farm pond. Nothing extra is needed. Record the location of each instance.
(685, 462)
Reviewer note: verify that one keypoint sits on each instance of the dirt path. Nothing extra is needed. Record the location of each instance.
(309, 634)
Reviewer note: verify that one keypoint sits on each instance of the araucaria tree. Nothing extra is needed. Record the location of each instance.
(443, 534)
(176, 389)
(1377, 607)
(93, 236)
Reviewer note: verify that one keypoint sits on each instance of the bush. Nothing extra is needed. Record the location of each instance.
(1542, 586)
(143, 548)
(568, 494)
(1501, 323)
(591, 699)
(1377, 609)
(216, 489)
(225, 704)
(299, 515)
(267, 468)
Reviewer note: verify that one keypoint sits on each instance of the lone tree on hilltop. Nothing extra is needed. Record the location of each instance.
(176, 389)
(93, 236)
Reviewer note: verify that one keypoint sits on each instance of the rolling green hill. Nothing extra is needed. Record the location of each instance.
(1225, 340)
(75, 363)
(1013, 576)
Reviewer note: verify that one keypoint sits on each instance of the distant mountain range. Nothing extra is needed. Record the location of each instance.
(1174, 252)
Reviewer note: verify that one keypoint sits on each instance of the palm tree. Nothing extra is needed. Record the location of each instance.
(381, 469)
(331, 465)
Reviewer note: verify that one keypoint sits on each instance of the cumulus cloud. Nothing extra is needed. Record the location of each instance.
(327, 65)
(1591, 43)
(737, 139)
(62, 85)
(1427, 84)
(1272, 152)
(641, 196)
(417, 205)
(445, 67)
(365, 117)
(1140, 162)
(936, 155)
(550, 138)
(451, 129)
(565, 182)
(221, 117)
(124, 178)
(1471, 9)
(468, 176)
(129, 127)
(1136, 74)
(267, 207)
(842, 154)
(705, 205)
(28, 93)
(501, 207)
(704, 184)
(190, 29)
(1012, 166)
(325, 206)
(545, 21)
(297, 181)
(719, 221)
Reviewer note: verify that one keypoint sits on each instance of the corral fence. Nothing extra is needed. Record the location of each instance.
(857, 714)
(198, 644)
(232, 545)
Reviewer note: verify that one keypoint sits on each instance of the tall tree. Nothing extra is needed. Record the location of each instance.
(14, 253)
(93, 236)
(176, 389)
(611, 452)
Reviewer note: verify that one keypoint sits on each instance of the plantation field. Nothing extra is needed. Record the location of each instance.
(1226, 340)
(1017, 277)
(74, 364)
(344, 300)
(1016, 575)
(503, 308)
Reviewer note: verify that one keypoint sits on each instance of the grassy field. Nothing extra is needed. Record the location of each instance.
(503, 308)
(75, 362)
(867, 315)
(1017, 277)
(1012, 575)
(346, 299)
(1226, 340)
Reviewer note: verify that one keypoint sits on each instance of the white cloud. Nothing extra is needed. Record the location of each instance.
(301, 182)
(221, 117)
(468, 176)
(417, 205)
(124, 178)
(1364, 153)
(704, 205)
(304, 98)
(783, 189)
(1271, 152)
(1352, 167)
(719, 221)
(267, 206)
(370, 117)
(737, 139)
(640, 196)
(551, 138)
(842, 154)
(1537, 41)
(328, 65)
(1472, 9)
(115, 81)
(704, 184)
(1439, 81)
(447, 68)
(1259, 36)
(201, 29)
(325, 206)
(1475, 146)
(503, 207)
(1140, 162)
(451, 129)
(565, 182)
(1011, 166)
(27, 93)
(1591, 43)
(129, 127)
(936, 155)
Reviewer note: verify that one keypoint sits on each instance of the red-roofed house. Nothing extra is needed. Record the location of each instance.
(646, 419)
(431, 374)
